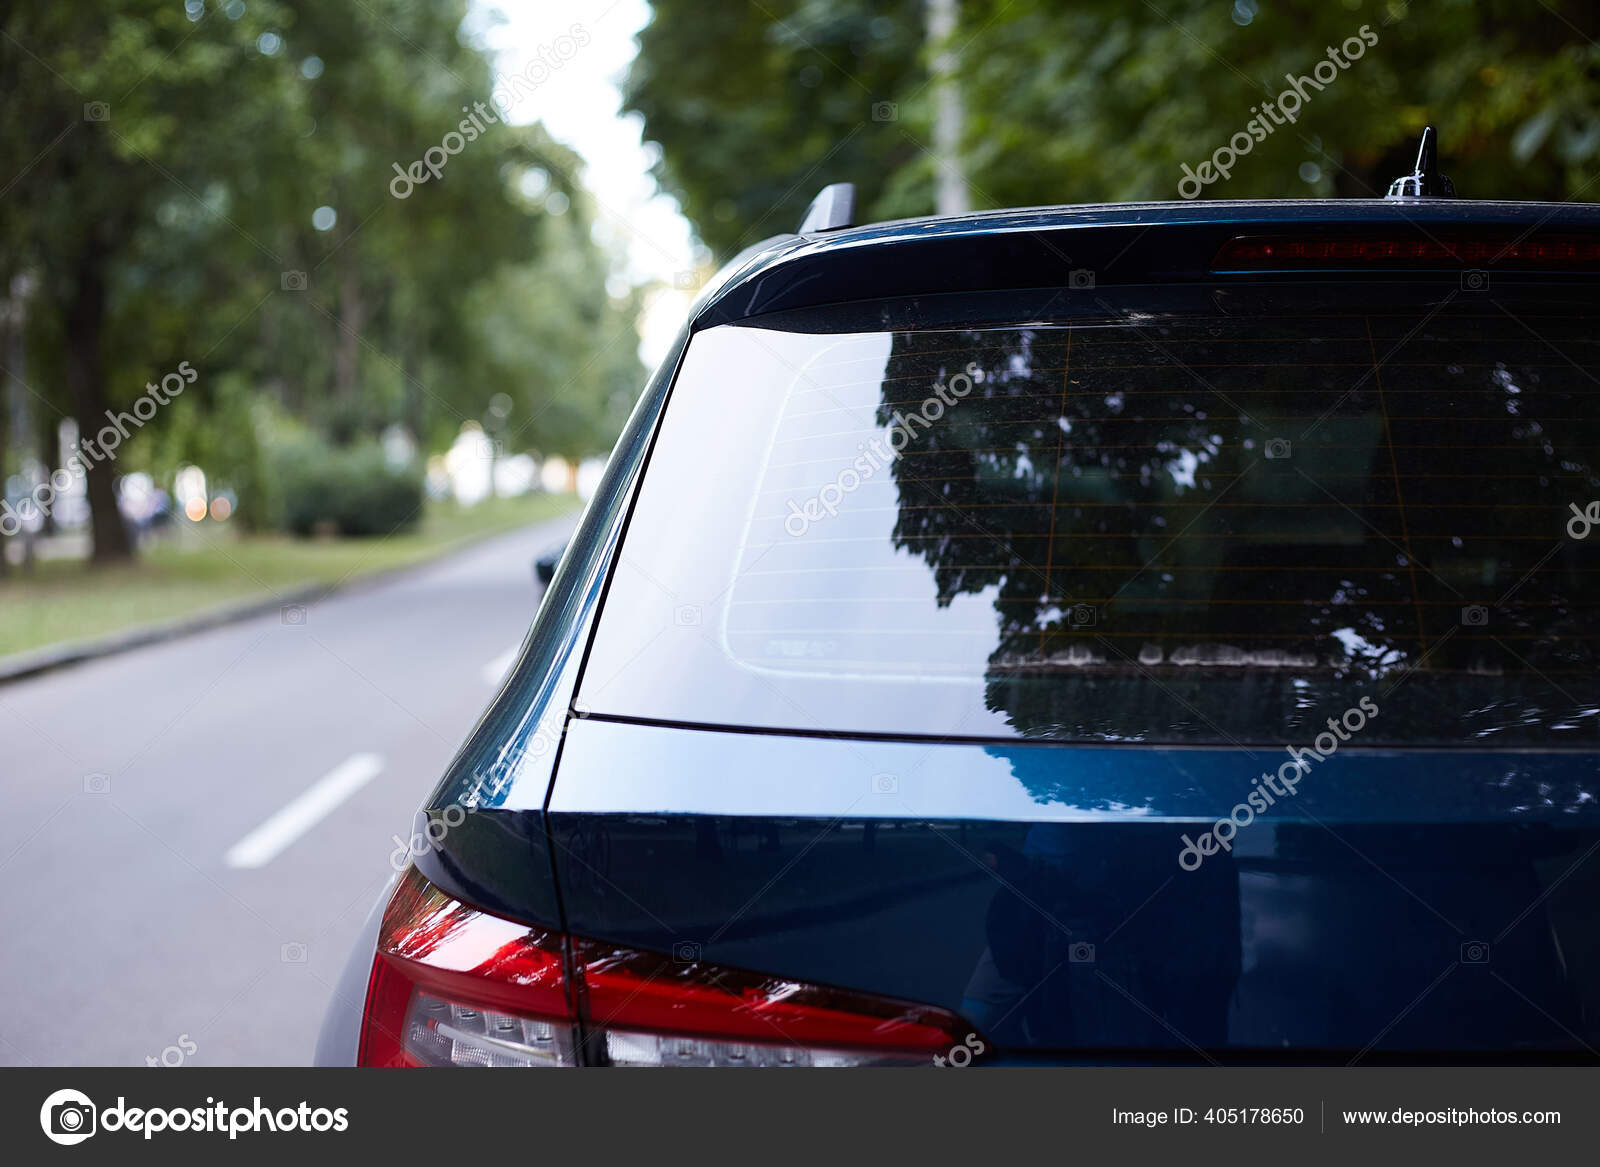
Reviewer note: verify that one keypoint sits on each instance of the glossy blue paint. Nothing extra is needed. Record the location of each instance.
(620, 768)
(1398, 904)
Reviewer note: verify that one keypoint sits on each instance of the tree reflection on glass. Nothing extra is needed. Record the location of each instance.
(1231, 527)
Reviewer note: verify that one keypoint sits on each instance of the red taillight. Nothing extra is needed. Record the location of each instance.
(452, 985)
(628, 989)
(445, 972)
(1283, 252)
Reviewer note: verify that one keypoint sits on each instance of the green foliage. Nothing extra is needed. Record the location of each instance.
(348, 491)
(227, 431)
(1103, 100)
(567, 398)
(757, 106)
(194, 196)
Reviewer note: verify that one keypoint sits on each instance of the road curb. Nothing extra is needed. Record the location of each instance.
(22, 665)
(59, 656)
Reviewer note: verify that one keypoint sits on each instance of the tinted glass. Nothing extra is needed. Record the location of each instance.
(1216, 527)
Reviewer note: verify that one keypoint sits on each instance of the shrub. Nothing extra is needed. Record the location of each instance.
(353, 490)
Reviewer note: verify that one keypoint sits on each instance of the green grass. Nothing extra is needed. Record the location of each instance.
(63, 600)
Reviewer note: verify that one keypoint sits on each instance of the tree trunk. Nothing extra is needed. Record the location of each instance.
(414, 405)
(347, 356)
(16, 419)
(951, 196)
(85, 370)
(49, 437)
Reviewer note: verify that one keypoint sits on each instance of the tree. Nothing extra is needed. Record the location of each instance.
(115, 107)
(243, 188)
(1103, 101)
(758, 106)
(567, 399)
(1081, 104)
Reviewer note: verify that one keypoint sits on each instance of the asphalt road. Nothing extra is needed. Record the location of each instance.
(195, 830)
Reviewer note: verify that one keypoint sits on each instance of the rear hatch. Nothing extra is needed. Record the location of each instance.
(1143, 645)
(1399, 903)
(1180, 671)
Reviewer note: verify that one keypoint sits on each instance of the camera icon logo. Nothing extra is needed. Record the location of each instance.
(68, 1117)
(686, 951)
(97, 784)
(1474, 280)
(293, 281)
(1084, 616)
(1080, 277)
(1475, 616)
(292, 615)
(885, 784)
(885, 111)
(686, 616)
(686, 281)
(1475, 952)
(292, 953)
(1278, 448)
(96, 111)
(1081, 952)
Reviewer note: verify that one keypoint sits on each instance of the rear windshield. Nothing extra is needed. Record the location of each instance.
(1205, 526)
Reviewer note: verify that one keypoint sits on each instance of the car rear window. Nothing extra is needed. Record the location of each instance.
(1216, 526)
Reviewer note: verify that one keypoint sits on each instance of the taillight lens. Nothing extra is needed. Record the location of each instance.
(625, 989)
(448, 1033)
(1434, 250)
(454, 986)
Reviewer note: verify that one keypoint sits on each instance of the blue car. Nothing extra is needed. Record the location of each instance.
(1155, 633)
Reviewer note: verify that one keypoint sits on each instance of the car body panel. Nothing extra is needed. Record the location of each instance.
(622, 767)
(1400, 902)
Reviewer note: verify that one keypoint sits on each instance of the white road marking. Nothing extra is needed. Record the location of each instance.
(262, 845)
(495, 671)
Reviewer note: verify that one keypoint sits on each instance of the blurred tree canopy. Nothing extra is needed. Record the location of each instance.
(219, 183)
(757, 106)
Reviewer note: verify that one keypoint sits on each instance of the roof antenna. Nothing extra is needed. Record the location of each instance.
(1425, 181)
(832, 209)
